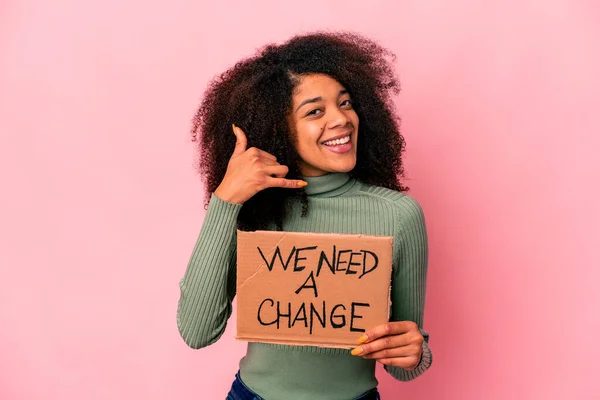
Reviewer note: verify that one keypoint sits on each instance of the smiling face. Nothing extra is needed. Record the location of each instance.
(325, 126)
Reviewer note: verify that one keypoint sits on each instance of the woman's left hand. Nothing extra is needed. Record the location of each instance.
(399, 344)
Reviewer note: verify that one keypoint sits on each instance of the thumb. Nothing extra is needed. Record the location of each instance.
(241, 142)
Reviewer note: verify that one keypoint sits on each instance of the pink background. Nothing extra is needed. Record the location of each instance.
(101, 206)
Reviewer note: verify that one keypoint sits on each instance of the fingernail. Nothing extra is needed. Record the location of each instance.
(302, 184)
(233, 128)
(356, 351)
(363, 339)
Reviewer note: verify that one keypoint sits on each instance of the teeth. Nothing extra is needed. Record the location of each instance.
(337, 142)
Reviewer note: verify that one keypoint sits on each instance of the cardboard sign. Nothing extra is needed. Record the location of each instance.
(311, 289)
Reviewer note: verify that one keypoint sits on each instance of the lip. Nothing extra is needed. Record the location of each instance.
(349, 133)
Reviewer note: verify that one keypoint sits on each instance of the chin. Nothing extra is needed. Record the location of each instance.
(343, 168)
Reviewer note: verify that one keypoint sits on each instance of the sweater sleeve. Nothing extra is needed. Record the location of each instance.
(208, 286)
(410, 277)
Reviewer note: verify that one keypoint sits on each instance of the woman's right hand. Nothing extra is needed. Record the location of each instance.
(251, 170)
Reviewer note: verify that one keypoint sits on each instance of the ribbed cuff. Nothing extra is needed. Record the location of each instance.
(405, 375)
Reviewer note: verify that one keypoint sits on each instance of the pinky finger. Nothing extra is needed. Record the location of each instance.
(402, 362)
(286, 183)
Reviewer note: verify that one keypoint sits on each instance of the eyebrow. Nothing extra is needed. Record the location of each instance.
(317, 99)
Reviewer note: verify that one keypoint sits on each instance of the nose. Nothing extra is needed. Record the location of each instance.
(337, 118)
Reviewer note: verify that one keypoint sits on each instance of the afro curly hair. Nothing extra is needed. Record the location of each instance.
(256, 95)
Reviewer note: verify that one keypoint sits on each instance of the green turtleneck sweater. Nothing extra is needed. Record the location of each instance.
(337, 204)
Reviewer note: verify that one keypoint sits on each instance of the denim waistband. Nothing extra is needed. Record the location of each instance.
(239, 391)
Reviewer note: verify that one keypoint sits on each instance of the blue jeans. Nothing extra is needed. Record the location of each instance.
(239, 391)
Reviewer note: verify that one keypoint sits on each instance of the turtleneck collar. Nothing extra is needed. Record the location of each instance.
(329, 185)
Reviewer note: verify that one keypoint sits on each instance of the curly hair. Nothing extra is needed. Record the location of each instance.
(256, 95)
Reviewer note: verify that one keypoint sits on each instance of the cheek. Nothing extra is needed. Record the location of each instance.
(309, 134)
(354, 119)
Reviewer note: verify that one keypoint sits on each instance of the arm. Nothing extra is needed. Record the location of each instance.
(410, 277)
(208, 286)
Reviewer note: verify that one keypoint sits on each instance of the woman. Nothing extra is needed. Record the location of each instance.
(315, 147)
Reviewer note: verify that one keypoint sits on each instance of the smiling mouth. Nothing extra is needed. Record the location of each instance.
(338, 141)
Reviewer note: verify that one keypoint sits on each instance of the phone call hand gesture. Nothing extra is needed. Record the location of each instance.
(251, 170)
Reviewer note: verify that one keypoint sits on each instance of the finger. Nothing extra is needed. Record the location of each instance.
(386, 342)
(391, 328)
(266, 156)
(285, 183)
(241, 141)
(403, 351)
(279, 171)
(269, 162)
(408, 363)
(255, 152)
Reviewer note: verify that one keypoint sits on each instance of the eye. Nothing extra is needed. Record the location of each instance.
(346, 103)
(316, 111)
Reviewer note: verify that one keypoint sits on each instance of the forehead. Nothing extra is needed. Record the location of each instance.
(316, 85)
